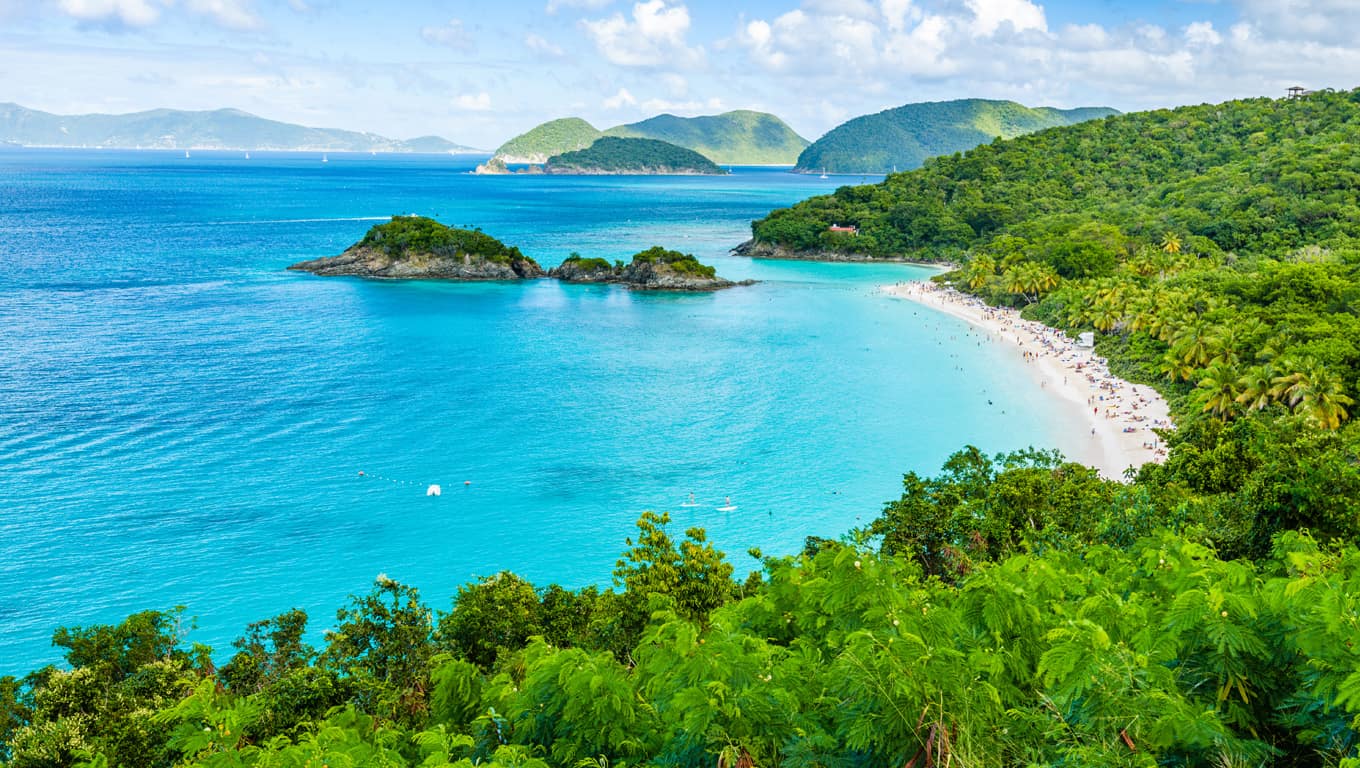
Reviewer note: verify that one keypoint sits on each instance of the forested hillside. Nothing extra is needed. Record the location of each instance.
(612, 155)
(903, 138)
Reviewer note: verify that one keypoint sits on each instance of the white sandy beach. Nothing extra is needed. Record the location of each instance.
(1117, 418)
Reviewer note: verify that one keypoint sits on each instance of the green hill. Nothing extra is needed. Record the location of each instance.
(1256, 176)
(175, 129)
(901, 139)
(742, 137)
(551, 138)
(613, 155)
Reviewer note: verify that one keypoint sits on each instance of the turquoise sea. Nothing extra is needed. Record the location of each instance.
(184, 422)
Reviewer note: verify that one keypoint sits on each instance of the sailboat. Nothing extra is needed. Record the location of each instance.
(186, 153)
(823, 173)
(247, 155)
(325, 159)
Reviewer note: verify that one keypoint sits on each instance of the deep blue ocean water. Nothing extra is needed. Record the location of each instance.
(184, 422)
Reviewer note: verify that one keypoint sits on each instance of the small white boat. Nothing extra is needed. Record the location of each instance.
(824, 176)
(727, 506)
(325, 159)
(247, 155)
(186, 153)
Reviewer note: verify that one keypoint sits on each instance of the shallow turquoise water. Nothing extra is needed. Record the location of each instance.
(184, 422)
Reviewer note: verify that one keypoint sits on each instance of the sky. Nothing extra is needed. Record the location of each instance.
(478, 73)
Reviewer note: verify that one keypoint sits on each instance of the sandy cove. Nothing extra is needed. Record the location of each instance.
(1116, 418)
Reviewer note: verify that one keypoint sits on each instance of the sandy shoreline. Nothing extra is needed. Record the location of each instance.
(1116, 418)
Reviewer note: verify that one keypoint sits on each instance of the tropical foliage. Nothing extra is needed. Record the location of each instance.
(740, 137)
(408, 235)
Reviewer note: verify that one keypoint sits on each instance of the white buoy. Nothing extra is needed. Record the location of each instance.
(433, 490)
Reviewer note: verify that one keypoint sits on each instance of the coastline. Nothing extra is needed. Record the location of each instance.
(1112, 419)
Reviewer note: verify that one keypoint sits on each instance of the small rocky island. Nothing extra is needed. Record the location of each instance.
(420, 248)
(655, 269)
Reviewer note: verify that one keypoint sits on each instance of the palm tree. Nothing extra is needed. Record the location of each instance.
(1316, 392)
(1105, 315)
(1255, 387)
(1030, 280)
(1196, 343)
(1219, 390)
(1174, 368)
(980, 270)
(1171, 243)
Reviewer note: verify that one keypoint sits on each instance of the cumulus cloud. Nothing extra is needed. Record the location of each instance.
(620, 100)
(990, 16)
(653, 36)
(1202, 33)
(474, 102)
(450, 35)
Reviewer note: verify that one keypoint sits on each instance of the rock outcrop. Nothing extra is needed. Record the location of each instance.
(361, 261)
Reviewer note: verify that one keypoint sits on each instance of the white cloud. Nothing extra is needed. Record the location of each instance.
(450, 35)
(654, 36)
(539, 44)
(132, 13)
(474, 102)
(989, 16)
(1202, 33)
(619, 100)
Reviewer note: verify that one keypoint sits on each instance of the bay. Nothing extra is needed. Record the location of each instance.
(182, 421)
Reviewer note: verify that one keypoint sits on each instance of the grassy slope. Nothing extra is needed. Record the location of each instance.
(551, 138)
(740, 137)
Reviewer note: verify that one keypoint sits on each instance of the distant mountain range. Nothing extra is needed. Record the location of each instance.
(216, 129)
(742, 137)
(902, 138)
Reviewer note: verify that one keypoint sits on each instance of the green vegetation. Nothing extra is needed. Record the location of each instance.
(905, 137)
(587, 263)
(406, 235)
(684, 263)
(742, 137)
(1015, 610)
(614, 155)
(551, 138)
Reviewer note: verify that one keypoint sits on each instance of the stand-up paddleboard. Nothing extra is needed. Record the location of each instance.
(691, 502)
(727, 506)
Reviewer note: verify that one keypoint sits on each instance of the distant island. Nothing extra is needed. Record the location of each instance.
(216, 129)
(613, 156)
(420, 248)
(903, 138)
(741, 137)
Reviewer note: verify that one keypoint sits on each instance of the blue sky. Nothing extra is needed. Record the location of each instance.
(478, 73)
